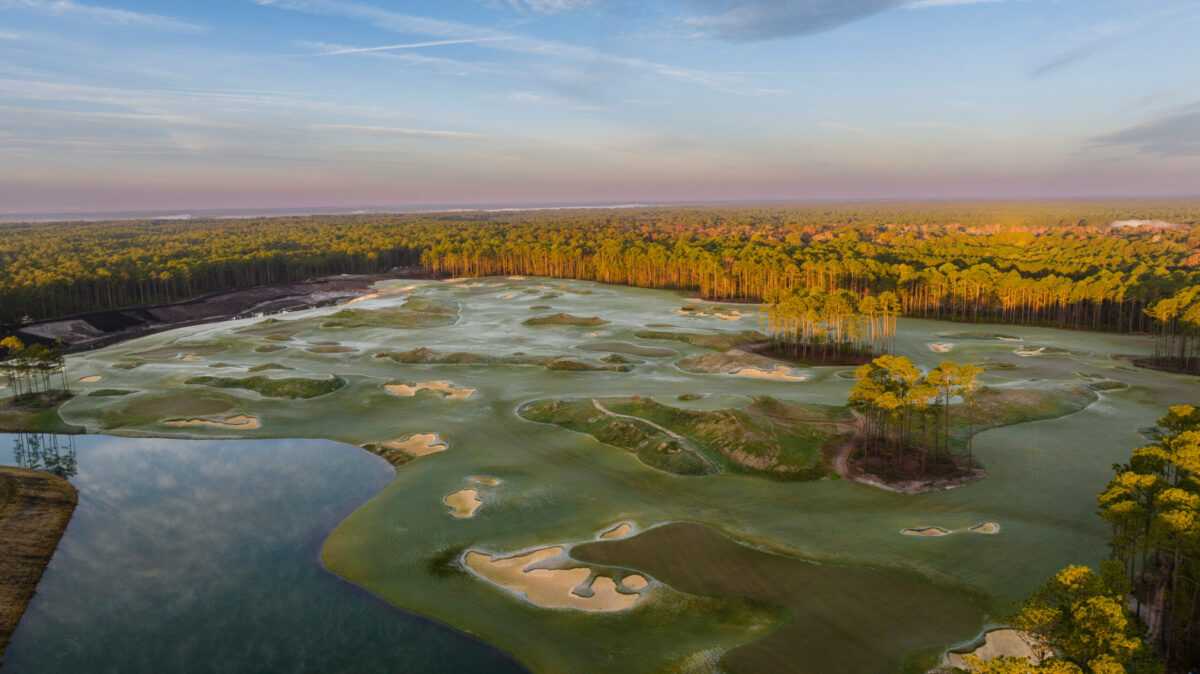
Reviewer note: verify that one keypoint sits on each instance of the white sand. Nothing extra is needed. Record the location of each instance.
(508, 296)
(1030, 352)
(515, 278)
(446, 388)
(620, 531)
(550, 588)
(490, 481)
(925, 531)
(89, 380)
(191, 357)
(985, 528)
(237, 422)
(464, 503)
(419, 444)
(364, 298)
(941, 348)
(780, 373)
(634, 582)
(997, 643)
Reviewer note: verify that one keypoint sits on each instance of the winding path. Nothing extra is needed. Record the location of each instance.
(668, 431)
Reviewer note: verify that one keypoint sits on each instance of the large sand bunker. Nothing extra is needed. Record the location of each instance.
(464, 503)
(780, 373)
(445, 388)
(925, 531)
(418, 444)
(551, 588)
(997, 643)
(240, 422)
(89, 380)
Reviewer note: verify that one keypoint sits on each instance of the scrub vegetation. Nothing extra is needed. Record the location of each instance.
(290, 387)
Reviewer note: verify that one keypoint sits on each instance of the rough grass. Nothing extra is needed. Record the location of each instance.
(718, 342)
(431, 356)
(415, 313)
(290, 387)
(727, 361)
(269, 348)
(35, 414)
(770, 437)
(110, 393)
(34, 510)
(393, 455)
(565, 319)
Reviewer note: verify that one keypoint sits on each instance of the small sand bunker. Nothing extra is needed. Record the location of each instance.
(240, 422)
(941, 347)
(89, 380)
(419, 444)
(508, 296)
(985, 528)
(190, 357)
(364, 298)
(463, 502)
(780, 373)
(515, 278)
(593, 334)
(925, 531)
(997, 643)
(490, 481)
(551, 588)
(634, 582)
(1025, 353)
(620, 531)
(445, 388)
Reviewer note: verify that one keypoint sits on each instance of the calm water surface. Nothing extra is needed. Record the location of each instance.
(203, 556)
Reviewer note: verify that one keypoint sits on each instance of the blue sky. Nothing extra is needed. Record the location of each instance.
(125, 104)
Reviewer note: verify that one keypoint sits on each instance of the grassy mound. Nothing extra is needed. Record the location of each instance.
(269, 366)
(35, 414)
(569, 365)
(415, 313)
(109, 393)
(422, 355)
(291, 387)
(719, 342)
(770, 437)
(566, 319)
(269, 348)
(726, 361)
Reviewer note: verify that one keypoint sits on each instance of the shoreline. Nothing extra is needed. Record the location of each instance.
(35, 508)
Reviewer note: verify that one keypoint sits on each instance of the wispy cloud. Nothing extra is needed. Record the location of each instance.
(867, 132)
(103, 15)
(1109, 35)
(922, 4)
(1176, 133)
(410, 45)
(394, 131)
(553, 6)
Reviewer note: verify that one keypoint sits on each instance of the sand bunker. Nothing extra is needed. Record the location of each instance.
(190, 357)
(997, 643)
(239, 422)
(1025, 353)
(508, 296)
(941, 348)
(89, 380)
(593, 334)
(925, 531)
(780, 373)
(364, 298)
(985, 528)
(515, 278)
(490, 481)
(464, 503)
(445, 388)
(620, 531)
(419, 444)
(551, 588)
(634, 582)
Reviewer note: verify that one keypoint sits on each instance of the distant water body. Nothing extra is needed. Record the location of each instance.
(245, 213)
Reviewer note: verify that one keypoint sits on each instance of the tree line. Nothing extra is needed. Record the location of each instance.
(30, 370)
(1055, 264)
(815, 325)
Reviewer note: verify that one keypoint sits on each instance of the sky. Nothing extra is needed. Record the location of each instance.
(140, 105)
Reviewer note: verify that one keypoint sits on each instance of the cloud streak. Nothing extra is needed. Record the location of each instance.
(1174, 134)
(102, 15)
(411, 45)
(393, 131)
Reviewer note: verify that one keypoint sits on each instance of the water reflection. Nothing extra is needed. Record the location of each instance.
(47, 452)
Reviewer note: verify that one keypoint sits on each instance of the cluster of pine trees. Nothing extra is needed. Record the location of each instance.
(815, 325)
(1153, 506)
(1177, 343)
(908, 414)
(29, 370)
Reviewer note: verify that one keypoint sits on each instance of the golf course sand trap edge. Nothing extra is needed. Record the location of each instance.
(89, 380)
(463, 503)
(449, 390)
(940, 347)
(620, 531)
(239, 422)
(419, 444)
(985, 528)
(490, 481)
(552, 588)
(925, 531)
(780, 373)
(997, 643)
